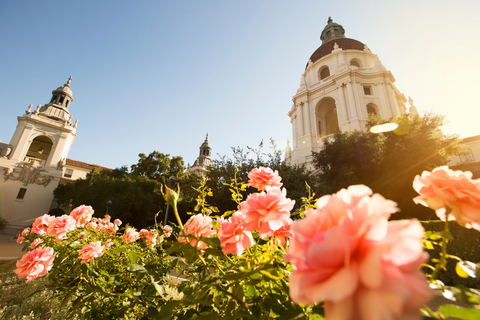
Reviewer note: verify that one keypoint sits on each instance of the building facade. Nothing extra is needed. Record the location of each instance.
(35, 161)
(343, 83)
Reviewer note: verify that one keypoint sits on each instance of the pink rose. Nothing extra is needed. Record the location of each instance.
(198, 225)
(117, 222)
(233, 236)
(267, 211)
(284, 232)
(444, 188)
(59, 227)
(35, 263)
(41, 223)
(20, 239)
(82, 215)
(346, 253)
(262, 178)
(109, 244)
(151, 237)
(26, 232)
(131, 235)
(35, 243)
(167, 231)
(90, 251)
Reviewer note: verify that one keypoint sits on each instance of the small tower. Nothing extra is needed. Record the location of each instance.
(44, 137)
(32, 163)
(343, 83)
(203, 161)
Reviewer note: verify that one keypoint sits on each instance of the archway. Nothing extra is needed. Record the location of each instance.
(40, 148)
(326, 117)
(372, 109)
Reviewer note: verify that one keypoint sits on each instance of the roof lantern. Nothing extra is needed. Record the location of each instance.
(332, 31)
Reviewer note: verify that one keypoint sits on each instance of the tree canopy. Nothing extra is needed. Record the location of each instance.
(386, 162)
(136, 197)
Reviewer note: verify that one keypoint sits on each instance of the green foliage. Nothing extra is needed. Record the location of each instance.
(123, 283)
(158, 166)
(386, 162)
(464, 244)
(134, 198)
(226, 170)
(253, 286)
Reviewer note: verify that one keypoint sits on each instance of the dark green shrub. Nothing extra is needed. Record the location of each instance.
(465, 245)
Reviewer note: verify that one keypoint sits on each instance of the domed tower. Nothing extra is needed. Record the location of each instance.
(203, 161)
(44, 137)
(343, 83)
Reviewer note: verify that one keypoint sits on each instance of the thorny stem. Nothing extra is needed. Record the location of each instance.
(443, 245)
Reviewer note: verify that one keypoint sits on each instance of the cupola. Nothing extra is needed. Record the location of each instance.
(57, 108)
(332, 31)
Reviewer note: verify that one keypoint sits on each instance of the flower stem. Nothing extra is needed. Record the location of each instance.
(443, 245)
(175, 210)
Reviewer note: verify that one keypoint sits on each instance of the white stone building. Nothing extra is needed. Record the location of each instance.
(342, 84)
(35, 161)
(203, 161)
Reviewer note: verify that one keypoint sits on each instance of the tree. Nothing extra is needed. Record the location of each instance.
(136, 197)
(159, 166)
(223, 171)
(386, 162)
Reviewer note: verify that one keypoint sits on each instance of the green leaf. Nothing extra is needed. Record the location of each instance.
(118, 250)
(76, 245)
(152, 312)
(166, 311)
(214, 252)
(466, 269)
(160, 289)
(136, 268)
(133, 257)
(213, 242)
(457, 312)
(428, 245)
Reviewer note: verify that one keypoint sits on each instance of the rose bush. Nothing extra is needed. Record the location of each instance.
(338, 257)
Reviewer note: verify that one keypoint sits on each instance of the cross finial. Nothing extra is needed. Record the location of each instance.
(329, 20)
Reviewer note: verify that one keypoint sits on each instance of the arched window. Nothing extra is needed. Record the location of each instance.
(40, 149)
(326, 117)
(324, 73)
(372, 109)
(355, 63)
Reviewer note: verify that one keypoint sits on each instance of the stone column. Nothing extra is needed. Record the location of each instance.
(351, 100)
(306, 109)
(300, 119)
(341, 107)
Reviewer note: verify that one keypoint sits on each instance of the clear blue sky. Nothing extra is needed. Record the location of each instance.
(159, 75)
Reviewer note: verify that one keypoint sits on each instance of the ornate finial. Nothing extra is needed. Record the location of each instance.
(329, 20)
(335, 46)
(70, 120)
(206, 139)
(29, 109)
(69, 81)
(76, 124)
(38, 110)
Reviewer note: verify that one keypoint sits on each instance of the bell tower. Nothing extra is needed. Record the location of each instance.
(44, 137)
(343, 83)
(203, 161)
(31, 165)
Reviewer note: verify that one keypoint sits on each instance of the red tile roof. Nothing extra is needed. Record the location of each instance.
(84, 165)
(327, 47)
